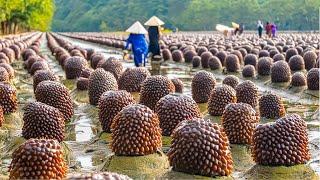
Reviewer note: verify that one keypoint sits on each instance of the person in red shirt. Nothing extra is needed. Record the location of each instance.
(268, 29)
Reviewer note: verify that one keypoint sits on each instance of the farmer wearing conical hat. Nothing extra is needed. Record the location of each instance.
(139, 43)
(154, 24)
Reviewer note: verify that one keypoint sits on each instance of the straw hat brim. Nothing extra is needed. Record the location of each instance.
(137, 28)
(154, 21)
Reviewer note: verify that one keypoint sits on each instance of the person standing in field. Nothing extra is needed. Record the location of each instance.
(273, 29)
(268, 29)
(139, 43)
(154, 32)
(260, 28)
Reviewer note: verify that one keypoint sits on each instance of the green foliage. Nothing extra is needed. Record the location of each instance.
(117, 15)
(25, 15)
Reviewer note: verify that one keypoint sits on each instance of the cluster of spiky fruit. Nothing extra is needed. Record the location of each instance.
(284, 142)
(200, 147)
(220, 97)
(136, 131)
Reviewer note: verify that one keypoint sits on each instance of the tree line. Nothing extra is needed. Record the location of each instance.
(25, 15)
(117, 15)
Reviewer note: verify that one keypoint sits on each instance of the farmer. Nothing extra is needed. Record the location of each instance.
(268, 29)
(154, 32)
(139, 43)
(260, 28)
(241, 28)
(273, 29)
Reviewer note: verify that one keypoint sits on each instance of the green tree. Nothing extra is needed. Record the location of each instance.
(103, 26)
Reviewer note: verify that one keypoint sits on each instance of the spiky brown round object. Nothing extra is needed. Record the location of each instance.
(132, 78)
(310, 58)
(174, 108)
(188, 55)
(154, 88)
(43, 75)
(247, 92)
(114, 66)
(16, 51)
(95, 59)
(136, 131)
(214, 63)
(273, 52)
(10, 53)
(222, 55)
(219, 98)
(238, 54)
(296, 63)
(313, 79)
(1, 116)
(196, 60)
(110, 104)
(298, 79)
(263, 53)
(166, 54)
(178, 84)
(177, 56)
(4, 75)
(201, 49)
(284, 142)
(100, 81)
(82, 83)
(57, 95)
(239, 121)
(42, 121)
(271, 106)
(231, 80)
(201, 86)
(248, 71)
(264, 66)
(9, 69)
(74, 66)
(205, 56)
(8, 98)
(27, 53)
(232, 63)
(280, 72)
(39, 65)
(98, 176)
(86, 72)
(200, 147)
(38, 159)
(278, 57)
(291, 52)
(251, 59)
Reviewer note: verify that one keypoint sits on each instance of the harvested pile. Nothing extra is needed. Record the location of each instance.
(313, 79)
(247, 92)
(220, 97)
(200, 147)
(8, 98)
(239, 121)
(57, 95)
(178, 84)
(174, 108)
(202, 84)
(132, 78)
(154, 88)
(38, 159)
(42, 121)
(284, 142)
(110, 103)
(100, 81)
(280, 72)
(231, 80)
(271, 106)
(135, 131)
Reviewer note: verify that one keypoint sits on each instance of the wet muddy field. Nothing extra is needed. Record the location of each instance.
(87, 149)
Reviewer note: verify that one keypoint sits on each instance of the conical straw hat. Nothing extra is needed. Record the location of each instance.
(137, 28)
(154, 21)
(235, 25)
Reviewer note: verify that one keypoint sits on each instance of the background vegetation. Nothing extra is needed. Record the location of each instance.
(117, 15)
(24, 15)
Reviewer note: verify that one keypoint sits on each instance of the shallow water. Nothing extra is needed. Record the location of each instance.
(87, 149)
